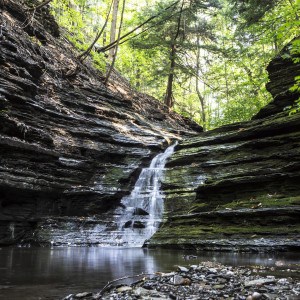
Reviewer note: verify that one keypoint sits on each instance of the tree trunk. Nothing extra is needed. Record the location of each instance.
(113, 27)
(117, 45)
(200, 96)
(40, 5)
(113, 44)
(83, 55)
(138, 79)
(169, 91)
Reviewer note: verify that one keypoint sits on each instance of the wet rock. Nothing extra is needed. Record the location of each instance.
(229, 273)
(82, 295)
(183, 269)
(173, 286)
(179, 280)
(138, 224)
(212, 271)
(140, 292)
(148, 285)
(258, 282)
(255, 296)
(218, 286)
(124, 289)
(140, 212)
(128, 224)
(283, 281)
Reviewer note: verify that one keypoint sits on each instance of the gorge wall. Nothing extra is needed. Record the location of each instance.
(70, 147)
(238, 187)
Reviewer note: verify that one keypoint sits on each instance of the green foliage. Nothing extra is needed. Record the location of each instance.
(99, 61)
(232, 40)
(295, 89)
(295, 51)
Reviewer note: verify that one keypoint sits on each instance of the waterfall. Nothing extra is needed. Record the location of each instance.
(143, 208)
(12, 230)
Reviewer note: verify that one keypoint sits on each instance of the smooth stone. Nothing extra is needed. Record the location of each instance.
(138, 224)
(219, 286)
(254, 296)
(229, 273)
(167, 274)
(128, 224)
(124, 289)
(82, 295)
(179, 280)
(141, 292)
(140, 212)
(183, 269)
(283, 281)
(258, 282)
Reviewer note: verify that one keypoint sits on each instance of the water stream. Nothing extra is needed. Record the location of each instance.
(48, 274)
(142, 210)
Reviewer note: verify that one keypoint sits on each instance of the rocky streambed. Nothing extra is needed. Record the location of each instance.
(209, 280)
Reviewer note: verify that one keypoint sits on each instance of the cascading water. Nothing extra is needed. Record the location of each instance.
(143, 208)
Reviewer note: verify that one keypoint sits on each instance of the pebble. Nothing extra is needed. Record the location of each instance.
(141, 291)
(183, 269)
(208, 281)
(283, 281)
(124, 289)
(254, 296)
(82, 295)
(179, 280)
(258, 282)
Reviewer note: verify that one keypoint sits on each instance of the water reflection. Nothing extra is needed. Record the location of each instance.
(43, 273)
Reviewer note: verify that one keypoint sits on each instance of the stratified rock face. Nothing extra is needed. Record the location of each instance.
(237, 187)
(69, 146)
(282, 72)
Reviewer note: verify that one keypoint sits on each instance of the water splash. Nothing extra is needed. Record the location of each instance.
(12, 230)
(143, 208)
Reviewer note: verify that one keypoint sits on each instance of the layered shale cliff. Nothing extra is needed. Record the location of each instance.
(70, 147)
(238, 187)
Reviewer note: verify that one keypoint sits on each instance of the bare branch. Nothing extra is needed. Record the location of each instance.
(39, 6)
(117, 45)
(109, 46)
(89, 49)
(108, 285)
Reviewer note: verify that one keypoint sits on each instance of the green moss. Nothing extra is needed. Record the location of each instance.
(199, 207)
(268, 200)
(222, 231)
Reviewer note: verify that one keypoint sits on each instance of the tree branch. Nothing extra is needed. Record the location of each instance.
(109, 46)
(39, 6)
(117, 45)
(108, 285)
(143, 31)
(83, 55)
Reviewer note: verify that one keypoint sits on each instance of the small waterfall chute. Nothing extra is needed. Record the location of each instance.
(143, 208)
